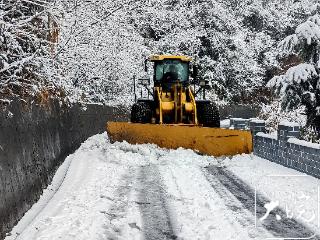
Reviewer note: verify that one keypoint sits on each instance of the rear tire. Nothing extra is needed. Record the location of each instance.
(208, 114)
(141, 112)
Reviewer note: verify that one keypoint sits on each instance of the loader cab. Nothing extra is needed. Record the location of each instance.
(170, 69)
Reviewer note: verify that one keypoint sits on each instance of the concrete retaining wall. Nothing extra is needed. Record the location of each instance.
(34, 140)
(285, 147)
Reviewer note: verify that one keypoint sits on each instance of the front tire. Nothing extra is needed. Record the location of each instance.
(141, 112)
(208, 114)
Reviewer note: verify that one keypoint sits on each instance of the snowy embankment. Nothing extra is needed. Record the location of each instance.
(123, 191)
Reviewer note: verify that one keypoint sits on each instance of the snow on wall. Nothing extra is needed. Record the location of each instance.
(269, 136)
(34, 140)
(288, 150)
(285, 148)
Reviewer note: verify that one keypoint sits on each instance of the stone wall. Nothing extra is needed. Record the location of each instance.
(286, 148)
(34, 141)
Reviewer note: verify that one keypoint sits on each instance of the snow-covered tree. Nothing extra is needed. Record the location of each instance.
(92, 49)
(28, 34)
(300, 85)
(99, 50)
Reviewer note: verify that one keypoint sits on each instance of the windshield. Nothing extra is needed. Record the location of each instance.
(172, 70)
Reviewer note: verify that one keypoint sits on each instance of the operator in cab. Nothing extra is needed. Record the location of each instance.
(171, 75)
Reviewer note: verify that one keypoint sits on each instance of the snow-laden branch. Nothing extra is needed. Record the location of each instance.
(27, 38)
(295, 75)
(289, 43)
(301, 73)
(308, 32)
(34, 3)
(18, 63)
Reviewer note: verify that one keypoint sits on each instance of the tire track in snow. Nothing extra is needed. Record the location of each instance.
(290, 228)
(152, 205)
(240, 213)
(118, 209)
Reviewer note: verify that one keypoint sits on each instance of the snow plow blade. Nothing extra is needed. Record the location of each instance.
(208, 141)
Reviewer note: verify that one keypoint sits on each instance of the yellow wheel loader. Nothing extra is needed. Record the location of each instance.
(173, 116)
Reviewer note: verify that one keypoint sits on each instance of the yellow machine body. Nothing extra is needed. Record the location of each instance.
(175, 124)
(208, 141)
(179, 102)
(155, 58)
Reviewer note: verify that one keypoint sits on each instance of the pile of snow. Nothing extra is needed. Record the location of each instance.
(225, 123)
(124, 191)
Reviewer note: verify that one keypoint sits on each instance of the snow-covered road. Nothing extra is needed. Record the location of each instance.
(123, 191)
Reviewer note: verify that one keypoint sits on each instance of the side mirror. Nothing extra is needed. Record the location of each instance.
(145, 81)
(194, 74)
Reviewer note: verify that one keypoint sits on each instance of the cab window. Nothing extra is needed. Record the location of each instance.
(172, 69)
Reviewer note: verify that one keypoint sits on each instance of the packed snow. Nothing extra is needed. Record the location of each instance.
(123, 191)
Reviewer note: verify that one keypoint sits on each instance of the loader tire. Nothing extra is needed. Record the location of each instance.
(141, 112)
(208, 114)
